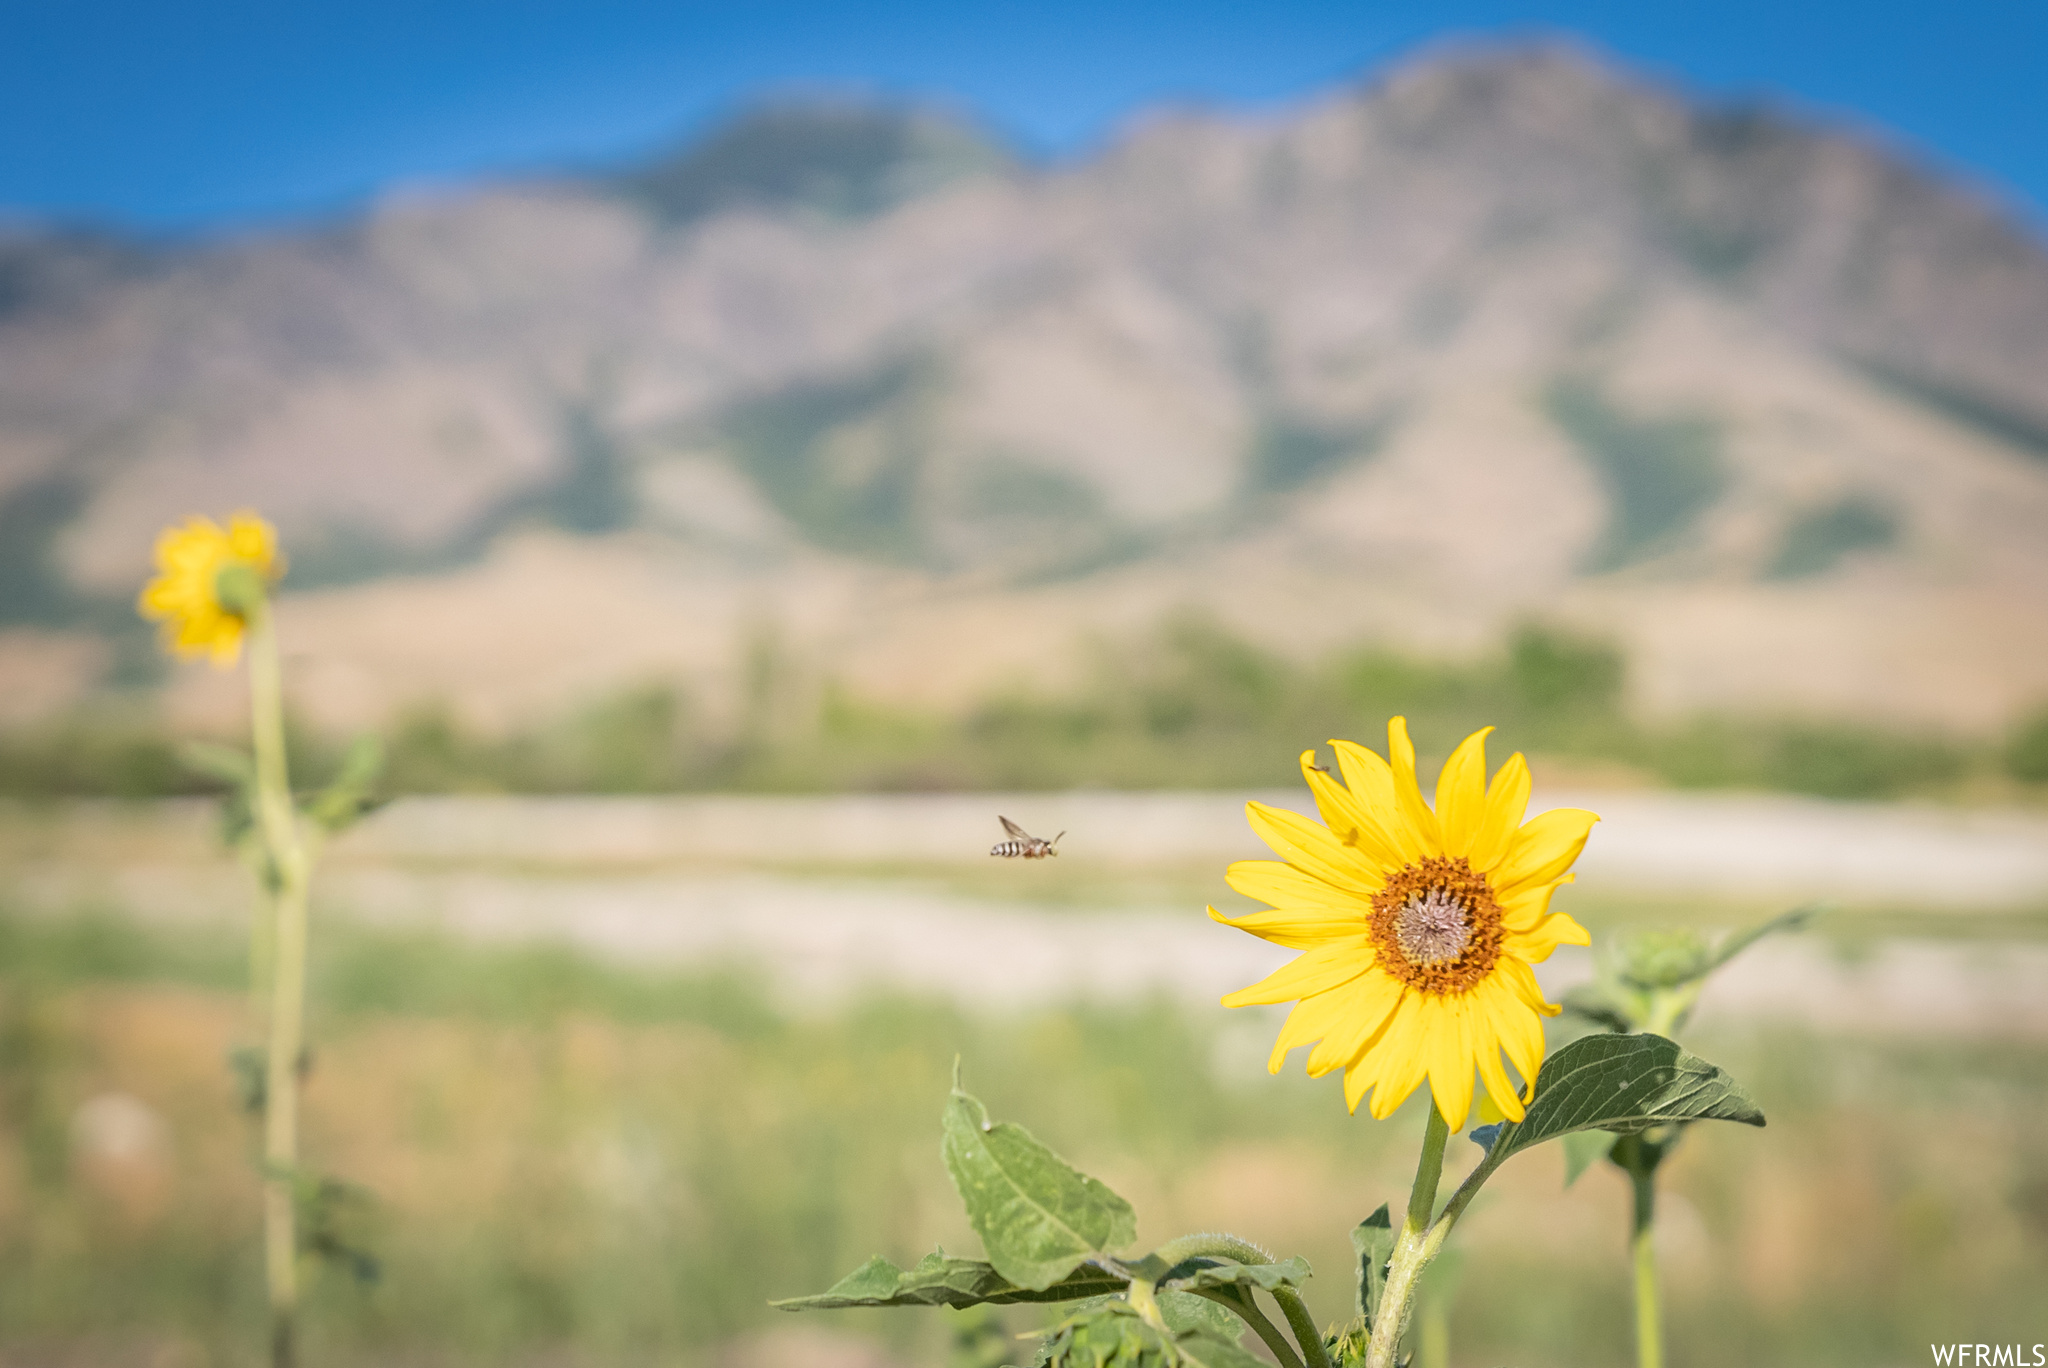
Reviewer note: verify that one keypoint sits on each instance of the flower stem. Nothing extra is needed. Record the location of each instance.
(1215, 1246)
(280, 828)
(1649, 1321)
(1143, 1295)
(1413, 1249)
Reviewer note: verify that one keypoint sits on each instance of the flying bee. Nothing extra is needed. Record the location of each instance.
(1023, 844)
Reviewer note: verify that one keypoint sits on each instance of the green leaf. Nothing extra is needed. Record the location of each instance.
(348, 797)
(1037, 1216)
(1115, 1336)
(1372, 1240)
(1742, 940)
(1204, 1274)
(1582, 1149)
(1201, 1349)
(1623, 1083)
(1185, 1311)
(1607, 1010)
(941, 1281)
(1112, 1334)
(225, 763)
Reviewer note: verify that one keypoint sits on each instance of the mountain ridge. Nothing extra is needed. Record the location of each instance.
(1504, 332)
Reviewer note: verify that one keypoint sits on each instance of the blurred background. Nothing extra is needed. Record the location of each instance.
(731, 454)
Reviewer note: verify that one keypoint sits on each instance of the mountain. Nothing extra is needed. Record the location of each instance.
(1505, 333)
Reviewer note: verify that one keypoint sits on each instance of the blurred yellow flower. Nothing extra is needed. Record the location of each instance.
(1418, 926)
(185, 595)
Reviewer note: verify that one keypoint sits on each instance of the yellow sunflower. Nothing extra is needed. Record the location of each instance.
(185, 595)
(1419, 926)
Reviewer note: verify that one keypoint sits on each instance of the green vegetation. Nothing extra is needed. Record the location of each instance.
(567, 1160)
(840, 459)
(32, 589)
(843, 161)
(1192, 706)
(2026, 753)
(1288, 452)
(1819, 537)
(2023, 430)
(1660, 473)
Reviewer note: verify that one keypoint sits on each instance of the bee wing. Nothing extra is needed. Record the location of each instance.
(1016, 832)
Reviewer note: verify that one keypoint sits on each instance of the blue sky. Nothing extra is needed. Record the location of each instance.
(225, 113)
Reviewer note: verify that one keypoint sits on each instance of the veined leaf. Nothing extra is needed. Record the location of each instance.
(941, 1281)
(1623, 1083)
(1186, 1311)
(1372, 1239)
(1582, 1149)
(1037, 1216)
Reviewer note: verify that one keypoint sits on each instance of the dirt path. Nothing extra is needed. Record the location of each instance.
(669, 881)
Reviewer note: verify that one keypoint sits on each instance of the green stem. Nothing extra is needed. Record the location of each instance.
(1143, 1294)
(280, 829)
(1649, 1321)
(1413, 1249)
(1212, 1246)
(1247, 1310)
(1304, 1327)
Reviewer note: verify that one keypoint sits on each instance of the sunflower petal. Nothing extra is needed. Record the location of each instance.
(1400, 1055)
(1283, 885)
(1295, 928)
(1461, 795)
(1369, 1003)
(1401, 754)
(1309, 1021)
(1371, 781)
(1520, 1032)
(1521, 911)
(1535, 945)
(1507, 798)
(1349, 820)
(1543, 849)
(1309, 846)
(1314, 971)
(1357, 1079)
(1492, 1074)
(1451, 1060)
(1515, 974)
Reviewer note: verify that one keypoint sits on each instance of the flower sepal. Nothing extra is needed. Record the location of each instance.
(239, 589)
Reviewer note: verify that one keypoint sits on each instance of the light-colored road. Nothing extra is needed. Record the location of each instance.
(1763, 845)
(707, 880)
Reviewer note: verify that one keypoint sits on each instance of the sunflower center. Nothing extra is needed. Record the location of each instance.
(1432, 926)
(1436, 926)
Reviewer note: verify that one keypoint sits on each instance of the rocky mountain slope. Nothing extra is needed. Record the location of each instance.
(1506, 333)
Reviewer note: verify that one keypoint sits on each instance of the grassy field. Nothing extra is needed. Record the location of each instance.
(562, 1161)
(1188, 705)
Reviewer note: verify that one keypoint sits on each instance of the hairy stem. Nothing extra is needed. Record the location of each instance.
(280, 828)
(1413, 1249)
